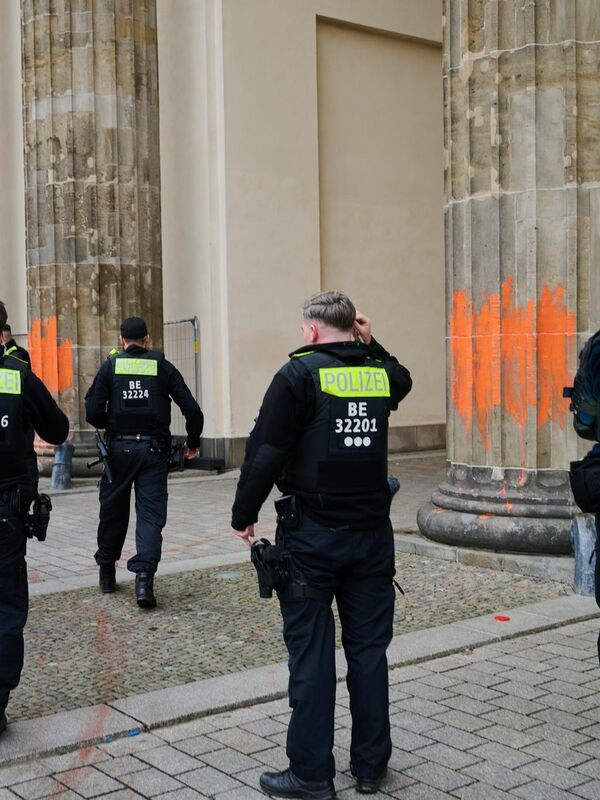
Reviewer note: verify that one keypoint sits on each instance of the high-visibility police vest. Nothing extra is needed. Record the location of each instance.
(12, 417)
(136, 400)
(343, 449)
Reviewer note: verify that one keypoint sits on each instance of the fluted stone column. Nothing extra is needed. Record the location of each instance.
(90, 97)
(522, 122)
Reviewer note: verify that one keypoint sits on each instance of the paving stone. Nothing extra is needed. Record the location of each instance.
(568, 704)
(229, 761)
(476, 692)
(122, 766)
(80, 758)
(405, 674)
(440, 679)
(517, 704)
(501, 754)
(564, 720)
(168, 759)
(466, 722)
(419, 706)
(400, 760)
(88, 781)
(483, 791)
(197, 745)
(509, 737)
(242, 740)
(479, 676)
(181, 794)
(150, 782)
(38, 787)
(562, 756)
(570, 689)
(23, 772)
(590, 748)
(241, 793)
(442, 778)
(210, 781)
(525, 676)
(130, 744)
(456, 738)
(6, 794)
(232, 719)
(537, 790)
(423, 690)
(516, 689)
(590, 791)
(517, 662)
(421, 791)
(511, 719)
(590, 768)
(264, 727)
(413, 722)
(553, 774)
(468, 705)
(495, 774)
(407, 740)
(274, 759)
(185, 730)
(560, 674)
(447, 756)
(552, 733)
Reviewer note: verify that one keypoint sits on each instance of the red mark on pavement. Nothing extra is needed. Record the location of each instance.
(501, 618)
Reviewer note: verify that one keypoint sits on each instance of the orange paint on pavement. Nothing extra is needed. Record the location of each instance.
(51, 362)
(517, 357)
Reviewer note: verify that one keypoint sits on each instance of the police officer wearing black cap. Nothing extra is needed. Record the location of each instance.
(321, 436)
(24, 403)
(131, 399)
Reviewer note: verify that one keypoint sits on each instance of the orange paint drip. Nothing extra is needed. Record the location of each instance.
(52, 362)
(461, 358)
(518, 354)
(528, 350)
(486, 377)
(555, 327)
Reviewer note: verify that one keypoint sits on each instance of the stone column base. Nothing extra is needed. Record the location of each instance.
(495, 508)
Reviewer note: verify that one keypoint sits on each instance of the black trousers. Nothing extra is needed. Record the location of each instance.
(14, 600)
(358, 569)
(133, 464)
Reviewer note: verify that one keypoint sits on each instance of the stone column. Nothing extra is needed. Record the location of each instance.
(522, 122)
(90, 98)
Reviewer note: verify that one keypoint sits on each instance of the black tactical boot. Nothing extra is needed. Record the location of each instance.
(107, 578)
(368, 785)
(286, 784)
(144, 590)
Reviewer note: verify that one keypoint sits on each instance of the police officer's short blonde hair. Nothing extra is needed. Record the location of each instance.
(3, 315)
(331, 308)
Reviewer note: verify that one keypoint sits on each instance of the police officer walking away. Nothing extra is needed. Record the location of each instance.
(24, 403)
(131, 398)
(321, 436)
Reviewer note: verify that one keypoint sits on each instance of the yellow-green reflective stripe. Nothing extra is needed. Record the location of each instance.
(355, 381)
(136, 366)
(10, 381)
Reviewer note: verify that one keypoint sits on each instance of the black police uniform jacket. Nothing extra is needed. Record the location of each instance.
(131, 394)
(11, 348)
(24, 403)
(321, 435)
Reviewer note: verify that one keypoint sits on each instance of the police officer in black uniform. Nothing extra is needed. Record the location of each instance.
(321, 436)
(24, 402)
(11, 348)
(131, 398)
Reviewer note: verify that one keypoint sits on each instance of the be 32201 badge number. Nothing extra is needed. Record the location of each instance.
(357, 421)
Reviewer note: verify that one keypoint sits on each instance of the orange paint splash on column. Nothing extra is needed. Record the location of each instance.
(555, 325)
(524, 350)
(51, 362)
(518, 354)
(461, 355)
(486, 373)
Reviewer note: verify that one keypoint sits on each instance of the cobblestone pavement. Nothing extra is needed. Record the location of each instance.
(198, 520)
(517, 719)
(211, 622)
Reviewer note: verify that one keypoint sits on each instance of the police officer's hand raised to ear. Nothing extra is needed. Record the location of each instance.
(321, 436)
(362, 326)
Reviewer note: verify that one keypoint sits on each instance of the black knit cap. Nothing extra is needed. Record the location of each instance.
(133, 328)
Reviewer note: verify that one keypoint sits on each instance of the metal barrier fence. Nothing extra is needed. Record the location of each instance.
(182, 348)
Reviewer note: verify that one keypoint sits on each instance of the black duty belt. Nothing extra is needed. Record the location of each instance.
(132, 437)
